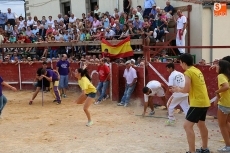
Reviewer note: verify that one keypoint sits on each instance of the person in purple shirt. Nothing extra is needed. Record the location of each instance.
(53, 77)
(3, 99)
(63, 67)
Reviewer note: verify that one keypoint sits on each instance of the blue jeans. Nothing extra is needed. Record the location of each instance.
(63, 82)
(127, 94)
(160, 33)
(53, 53)
(3, 102)
(102, 87)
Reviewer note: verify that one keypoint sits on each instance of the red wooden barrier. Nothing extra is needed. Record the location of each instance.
(9, 73)
(115, 82)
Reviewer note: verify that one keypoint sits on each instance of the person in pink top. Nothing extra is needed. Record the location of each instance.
(96, 23)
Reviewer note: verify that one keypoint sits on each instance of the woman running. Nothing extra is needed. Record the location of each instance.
(88, 91)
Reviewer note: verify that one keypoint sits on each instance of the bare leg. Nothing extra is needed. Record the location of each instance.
(151, 105)
(188, 126)
(88, 102)
(35, 93)
(223, 124)
(164, 101)
(81, 99)
(204, 134)
(64, 91)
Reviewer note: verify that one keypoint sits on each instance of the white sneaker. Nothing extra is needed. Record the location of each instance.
(139, 50)
(107, 97)
(120, 104)
(166, 31)
(224, 149)
(125, 105)
(97, 102)
(170, 122)
(89, 123)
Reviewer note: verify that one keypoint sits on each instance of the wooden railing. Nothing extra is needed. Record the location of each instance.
(79, 43)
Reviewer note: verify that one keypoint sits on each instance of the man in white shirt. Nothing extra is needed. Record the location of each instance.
(72, 18)
(130, 76)
(153, 88)
(10, 17)
(60, 18)
(181, 31)
(176, 79)
(30, 22)
(148, 7)
(109, 34)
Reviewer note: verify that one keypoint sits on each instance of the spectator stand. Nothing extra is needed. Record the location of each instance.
(169, 37)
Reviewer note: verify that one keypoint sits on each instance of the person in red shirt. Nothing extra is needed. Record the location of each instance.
(21, 38)
(103, 72)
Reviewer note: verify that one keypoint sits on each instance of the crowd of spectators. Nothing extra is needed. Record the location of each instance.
(134, 23)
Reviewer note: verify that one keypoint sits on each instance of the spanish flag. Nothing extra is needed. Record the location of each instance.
(120, 50)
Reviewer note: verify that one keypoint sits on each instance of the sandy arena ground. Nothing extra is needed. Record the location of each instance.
(61, 128)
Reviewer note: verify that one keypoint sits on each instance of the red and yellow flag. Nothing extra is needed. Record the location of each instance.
(120, 50)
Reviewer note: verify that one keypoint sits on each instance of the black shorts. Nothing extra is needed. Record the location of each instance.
(91, 95)
(196, 114)
(46, 83)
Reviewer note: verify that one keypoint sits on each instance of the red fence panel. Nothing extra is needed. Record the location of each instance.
(9, 73)
(115, 82)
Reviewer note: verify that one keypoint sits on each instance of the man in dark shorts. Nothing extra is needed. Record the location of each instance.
(40, 79)
(148, 32)
(199, 103)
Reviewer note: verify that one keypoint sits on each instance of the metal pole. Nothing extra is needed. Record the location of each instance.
(42, 91)
(20, 76)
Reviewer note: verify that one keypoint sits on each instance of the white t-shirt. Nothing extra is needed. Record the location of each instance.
(180, 22)
(154, 86)
(177, 79)
(50, 22)
(10, 16)
(30, 22)
(72, 20)
(130, 75)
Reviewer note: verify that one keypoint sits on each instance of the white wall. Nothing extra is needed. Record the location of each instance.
(206, 34)
(44, 8)
(221, 33)
(78, 7)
